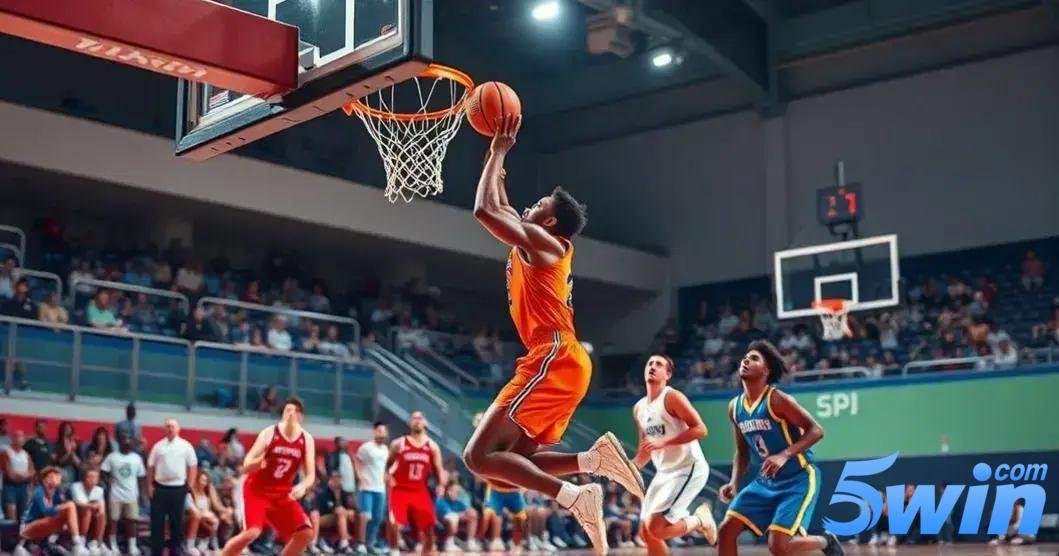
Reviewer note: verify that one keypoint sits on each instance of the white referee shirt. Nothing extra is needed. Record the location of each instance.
(171, 459)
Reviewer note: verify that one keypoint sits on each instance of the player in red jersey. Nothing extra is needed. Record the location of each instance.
(270, 496)
(413, 460)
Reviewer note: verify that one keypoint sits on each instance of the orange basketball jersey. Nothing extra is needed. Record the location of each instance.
(540, 298)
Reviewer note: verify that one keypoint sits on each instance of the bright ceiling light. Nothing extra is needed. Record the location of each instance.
(547, 10)
(662, 58)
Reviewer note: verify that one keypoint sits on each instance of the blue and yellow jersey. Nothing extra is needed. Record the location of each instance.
(766, 434)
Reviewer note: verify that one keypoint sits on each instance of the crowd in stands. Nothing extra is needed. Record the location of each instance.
(940, 318)
(279, 282)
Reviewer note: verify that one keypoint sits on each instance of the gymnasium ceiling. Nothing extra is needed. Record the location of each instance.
(738, 54)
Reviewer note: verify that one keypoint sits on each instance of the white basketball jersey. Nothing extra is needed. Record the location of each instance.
(657, 423)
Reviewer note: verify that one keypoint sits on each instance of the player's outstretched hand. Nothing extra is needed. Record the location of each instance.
(773, 463)
(506, 133)
(298, 492)
(726, 493)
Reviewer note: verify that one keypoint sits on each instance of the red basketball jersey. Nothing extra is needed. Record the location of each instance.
(283, 461)
(415, 465)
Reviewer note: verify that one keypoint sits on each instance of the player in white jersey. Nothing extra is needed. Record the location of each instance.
(670, 430)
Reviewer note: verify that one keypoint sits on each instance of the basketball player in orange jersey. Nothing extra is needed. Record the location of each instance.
(413, 460)
(535, 407)
(270, 496)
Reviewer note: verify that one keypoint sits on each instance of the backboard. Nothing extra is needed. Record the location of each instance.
(347, 49)
(863, 271)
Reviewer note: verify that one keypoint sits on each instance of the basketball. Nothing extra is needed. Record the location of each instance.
(489, 101)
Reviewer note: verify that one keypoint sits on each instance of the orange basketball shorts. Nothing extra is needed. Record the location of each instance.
(549, 383)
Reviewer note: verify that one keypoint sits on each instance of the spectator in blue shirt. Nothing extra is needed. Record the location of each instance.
(49, 515)
(451, 511)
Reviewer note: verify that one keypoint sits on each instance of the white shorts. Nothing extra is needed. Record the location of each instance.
(672, 492)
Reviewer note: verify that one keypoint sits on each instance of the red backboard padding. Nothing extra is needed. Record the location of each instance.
(197, 40)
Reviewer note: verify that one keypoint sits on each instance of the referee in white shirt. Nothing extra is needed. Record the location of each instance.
(171, 467)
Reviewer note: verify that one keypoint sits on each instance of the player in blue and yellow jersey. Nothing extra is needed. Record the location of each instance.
(774, 433)
(513, 501)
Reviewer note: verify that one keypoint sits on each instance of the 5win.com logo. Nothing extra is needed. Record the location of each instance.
(933, 513)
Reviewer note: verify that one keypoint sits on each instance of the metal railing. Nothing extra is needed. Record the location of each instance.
(122, 286)
(21, 249)
(117, 365)
(840, 372)
(14, 250)
(283, 311)
(50, 276)
(1049, 354)
(961, 363)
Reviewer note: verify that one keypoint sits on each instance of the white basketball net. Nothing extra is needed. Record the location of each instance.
(413, 149)
(834, 322)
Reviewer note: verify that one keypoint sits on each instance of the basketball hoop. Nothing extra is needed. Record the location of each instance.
(833, 318)
(413, 143)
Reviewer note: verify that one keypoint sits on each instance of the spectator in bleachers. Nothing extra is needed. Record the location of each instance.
(1032, 272)
(189, 279)
(196, 329)
(278, 337)
(669, 336)
(136, 274)
(341, 461)
(253, 293)
(727, 322)
(232, 450)
(129, 427)
(100, 444)
(333, 346)
(371, 483)
(143, 313)
(67, 452)
(49, 515)
(40, 449)
(270, 402)
(52, 311)
(411, 338)
(889, 363)
(17, 468)
(201, 531)
(19, 304)
(125, 476)
(205, 453)
(99, 314)
(318, 301)
(452, 512)
(87, 496)
(257, 340)
(218, 323)
(1005, 354)
(334, 512)
(7, 278)
(311, 342)
(82, 270)
(713, 343)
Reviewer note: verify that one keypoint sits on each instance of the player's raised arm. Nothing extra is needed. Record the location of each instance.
(491, 209)
(308, 469)
(679, 406)
(787, 409)
(255, 457)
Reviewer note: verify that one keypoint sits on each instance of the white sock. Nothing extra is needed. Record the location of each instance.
(189, 544)
(114, 541)
(567, 494)
(692, 522)
(79, 540)
(344, 543)
(132, 542)
(588, 462)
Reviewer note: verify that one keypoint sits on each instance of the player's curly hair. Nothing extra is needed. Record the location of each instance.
(773, 360)
(570, 215)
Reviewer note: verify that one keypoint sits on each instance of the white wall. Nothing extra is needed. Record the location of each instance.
(61, 143)
(949, 159)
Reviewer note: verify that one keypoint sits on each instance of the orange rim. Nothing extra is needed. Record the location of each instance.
(435, 71)
(833, 306)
